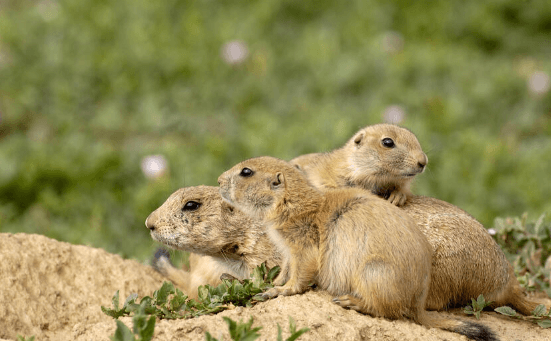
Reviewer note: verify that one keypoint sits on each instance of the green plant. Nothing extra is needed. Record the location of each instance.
(242, 293)
(166, 303)
(143, 327)
(477, 306)
(539, 315)
(295, 334)
(22, 338)
(527, 245)
(170, 303)
(240, 331)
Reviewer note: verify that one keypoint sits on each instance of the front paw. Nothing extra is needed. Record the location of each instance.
(397, 198)
(283, 291)
(271, 293)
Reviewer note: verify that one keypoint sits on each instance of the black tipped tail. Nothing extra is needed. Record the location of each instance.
(473, 331)
(476, 332)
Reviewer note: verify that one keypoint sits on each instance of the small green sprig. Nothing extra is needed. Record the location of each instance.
(540, 315)
(241, 331)
(22, 338)
(477, 306)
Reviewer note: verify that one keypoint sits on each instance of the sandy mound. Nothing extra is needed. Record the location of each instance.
(54, 290)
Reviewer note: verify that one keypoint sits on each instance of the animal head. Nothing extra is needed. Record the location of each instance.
(196, 219)
(260, 186)
(384, 153)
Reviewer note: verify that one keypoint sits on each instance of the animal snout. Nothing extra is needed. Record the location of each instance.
(149, 223)
(422, 161)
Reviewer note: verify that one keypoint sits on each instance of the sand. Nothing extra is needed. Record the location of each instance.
(54, 290)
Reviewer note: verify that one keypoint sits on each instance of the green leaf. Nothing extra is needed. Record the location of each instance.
(178, 300)
(481, 303)
(279, 336)
(539, 310)
(115, 300)
(22, 338)
(258, 276)
(161, 295)
(544, 323)
(203, 293)
(539, 229)
(474, 304)
(273, 273)
(146, 331)
(242, 331)
(208, 337)
(123, 333)
(130, 300)
(293, 329)
(506, 311)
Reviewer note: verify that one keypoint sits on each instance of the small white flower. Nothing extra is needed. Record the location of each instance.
(492, 232)
(235, 52)
(392, 42)
(154, 166)
(48, 10)
(539, 82)
(394, 114)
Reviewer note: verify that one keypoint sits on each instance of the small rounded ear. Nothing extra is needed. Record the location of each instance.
(278, 180)
(358, 138)
(227, 208)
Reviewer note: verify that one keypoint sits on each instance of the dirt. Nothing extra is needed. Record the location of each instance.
(54, 290)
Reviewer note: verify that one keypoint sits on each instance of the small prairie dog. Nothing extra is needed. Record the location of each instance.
(466, 261)
(366, 252)
(221, 239)
(382, 158)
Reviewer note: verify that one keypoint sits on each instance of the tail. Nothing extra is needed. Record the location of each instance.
(473, 331)
(521, 303)
(515, 297)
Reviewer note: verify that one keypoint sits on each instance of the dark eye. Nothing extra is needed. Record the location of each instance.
(387, 142)
(246, 172)
(191, 206)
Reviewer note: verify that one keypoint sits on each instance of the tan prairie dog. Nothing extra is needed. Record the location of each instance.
(221, 239)
(382, 158)
(358, 247)
(466, 260)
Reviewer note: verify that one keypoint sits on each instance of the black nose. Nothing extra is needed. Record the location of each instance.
(149, 225)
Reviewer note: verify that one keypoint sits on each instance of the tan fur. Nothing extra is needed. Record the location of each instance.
(221, 239)
(365, 251)
(364, 161)
(466, 260)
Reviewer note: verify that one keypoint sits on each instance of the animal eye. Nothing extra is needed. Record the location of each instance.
(191, 206)
(387, 142)
(245, 172)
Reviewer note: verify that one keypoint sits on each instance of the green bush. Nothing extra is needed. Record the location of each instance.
(88, 88)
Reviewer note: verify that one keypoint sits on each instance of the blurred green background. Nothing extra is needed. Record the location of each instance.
(92, 91)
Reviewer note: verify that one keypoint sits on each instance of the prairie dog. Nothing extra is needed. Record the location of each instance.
(466, 260)
(365, 251)
(221, 239)
(382, 158)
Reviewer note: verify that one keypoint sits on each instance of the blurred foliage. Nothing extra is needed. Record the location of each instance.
(90, 87)
(527, 246)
